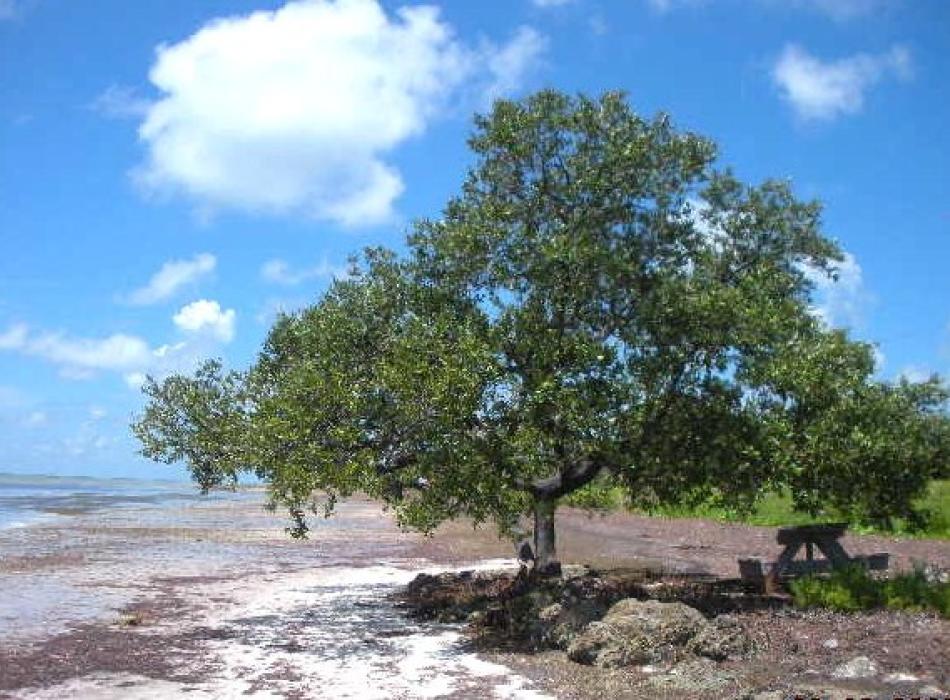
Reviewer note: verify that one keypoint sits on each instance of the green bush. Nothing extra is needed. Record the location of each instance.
(853, 588)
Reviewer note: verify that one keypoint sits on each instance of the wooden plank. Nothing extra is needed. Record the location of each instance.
(806, 533)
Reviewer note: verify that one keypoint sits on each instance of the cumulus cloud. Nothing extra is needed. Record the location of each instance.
(171, 277)
(280, 272)
(296, 111)
(204, 323)
(841, 300)
(206, 316)
(78, 356)
(118, 351)
(824, 90)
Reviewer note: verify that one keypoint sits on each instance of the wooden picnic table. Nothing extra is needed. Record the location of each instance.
(824, 537)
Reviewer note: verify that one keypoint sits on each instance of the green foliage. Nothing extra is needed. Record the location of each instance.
(778, 509)
(599, 304)
(852, 589)
(599, 496)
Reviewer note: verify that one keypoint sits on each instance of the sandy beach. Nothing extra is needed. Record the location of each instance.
(210, 598)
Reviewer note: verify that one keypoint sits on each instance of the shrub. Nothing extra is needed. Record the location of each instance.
(853, 588)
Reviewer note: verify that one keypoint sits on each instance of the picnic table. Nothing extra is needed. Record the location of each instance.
(824, 537)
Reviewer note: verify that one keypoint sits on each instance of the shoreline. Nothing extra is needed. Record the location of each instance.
(211, 598)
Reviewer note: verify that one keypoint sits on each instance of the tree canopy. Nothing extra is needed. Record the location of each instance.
(599, 302)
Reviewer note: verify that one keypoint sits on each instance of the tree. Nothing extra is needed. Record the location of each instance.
(598, 303)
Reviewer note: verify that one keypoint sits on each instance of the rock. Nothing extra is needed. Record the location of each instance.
(698, 676)
(477, 618)
(562, 622)
(721, 639)
(931, 572)
(827, 691)
(858, 667)
(769, 695)
(637, 632)
(900, 678)
(550, 613)
(571, 571)
(931, 691)
(830, 644)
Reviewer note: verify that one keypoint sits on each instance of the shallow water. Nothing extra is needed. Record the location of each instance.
(27, 499)
(273, 616)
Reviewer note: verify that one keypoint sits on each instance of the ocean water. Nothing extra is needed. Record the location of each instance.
(26, 499)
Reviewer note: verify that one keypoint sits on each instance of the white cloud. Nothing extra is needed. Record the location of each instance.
(550, 3)
(915, 373)
(508, 64)
(171, 277)
(120, 102)
(135, 380)
(880, 359)
(279, 272)
(842, 301)
(130, 356)
(296, 111)
(14, 337)
(206, 316)
(115, 352)
(820, 90)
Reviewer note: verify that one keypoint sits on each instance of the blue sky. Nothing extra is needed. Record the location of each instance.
(172, 173)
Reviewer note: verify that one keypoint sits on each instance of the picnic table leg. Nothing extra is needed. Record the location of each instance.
(833, 550)
(784, 559)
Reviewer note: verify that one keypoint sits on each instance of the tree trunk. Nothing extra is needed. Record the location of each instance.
(545, 552)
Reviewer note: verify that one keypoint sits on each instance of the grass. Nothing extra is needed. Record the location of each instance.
(854, 589)
(775, 510)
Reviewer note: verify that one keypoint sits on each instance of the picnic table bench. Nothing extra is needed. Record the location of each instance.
(767, 575)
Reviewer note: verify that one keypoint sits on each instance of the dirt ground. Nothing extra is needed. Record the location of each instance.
(797, 651)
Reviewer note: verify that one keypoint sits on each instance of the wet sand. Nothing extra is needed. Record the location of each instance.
(212, 599)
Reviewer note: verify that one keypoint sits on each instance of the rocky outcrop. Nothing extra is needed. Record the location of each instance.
(600, 620)
(722, 638)
(858, 667)
(641, 632)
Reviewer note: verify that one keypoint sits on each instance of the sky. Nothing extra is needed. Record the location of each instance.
(174, 173)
